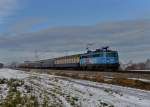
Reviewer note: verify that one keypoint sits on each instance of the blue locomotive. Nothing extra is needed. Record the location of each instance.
(100, 59)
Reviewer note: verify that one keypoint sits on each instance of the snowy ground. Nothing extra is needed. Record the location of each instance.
(67, 92)
(8, 73)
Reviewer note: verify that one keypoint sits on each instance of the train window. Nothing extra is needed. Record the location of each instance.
(95, 55)
(84, 56)
(111, 54)
(101, 54)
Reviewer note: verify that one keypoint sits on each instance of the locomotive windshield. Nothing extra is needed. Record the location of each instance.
(111, 54)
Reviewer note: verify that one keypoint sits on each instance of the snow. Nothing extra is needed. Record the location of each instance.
(4, 91)
(8, 74)
(70, 92)
(144, 80)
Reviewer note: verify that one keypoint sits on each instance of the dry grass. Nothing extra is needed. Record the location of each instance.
(117, 80)
(131, 83)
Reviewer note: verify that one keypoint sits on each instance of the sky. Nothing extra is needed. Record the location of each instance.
(52, 28)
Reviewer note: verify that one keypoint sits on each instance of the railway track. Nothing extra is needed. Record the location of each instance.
(133, 71)
(86, 71)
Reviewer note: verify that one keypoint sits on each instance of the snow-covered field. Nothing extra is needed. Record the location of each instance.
(8, 73)
(67, 92)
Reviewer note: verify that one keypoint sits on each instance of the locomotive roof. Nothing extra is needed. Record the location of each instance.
(97, 52)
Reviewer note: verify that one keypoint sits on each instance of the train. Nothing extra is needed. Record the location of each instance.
(99, 59)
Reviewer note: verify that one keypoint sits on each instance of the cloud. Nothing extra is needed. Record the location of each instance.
(7, 8)
(26, 24)
(129, 37)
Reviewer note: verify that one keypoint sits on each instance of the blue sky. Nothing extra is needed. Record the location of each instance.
(49, 26)
(80, 12)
